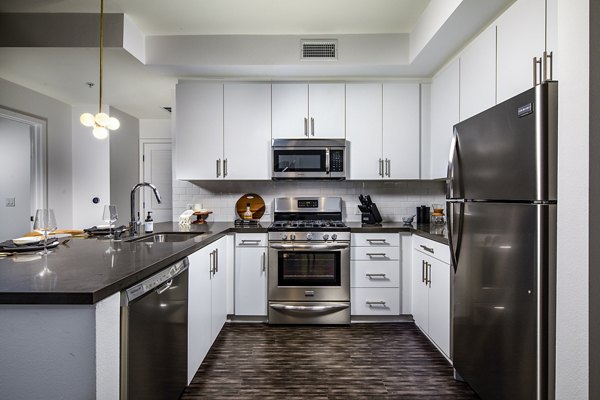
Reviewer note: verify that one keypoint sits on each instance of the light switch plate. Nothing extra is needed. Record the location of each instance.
(10, 202)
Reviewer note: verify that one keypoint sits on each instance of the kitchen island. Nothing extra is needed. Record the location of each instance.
(60, 314)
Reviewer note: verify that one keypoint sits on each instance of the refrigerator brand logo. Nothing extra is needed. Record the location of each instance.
(525, 110)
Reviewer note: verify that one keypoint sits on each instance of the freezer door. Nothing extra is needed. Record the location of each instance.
(500, 300)
(507, 152)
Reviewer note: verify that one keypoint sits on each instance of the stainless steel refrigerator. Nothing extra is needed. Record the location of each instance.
(501, 199)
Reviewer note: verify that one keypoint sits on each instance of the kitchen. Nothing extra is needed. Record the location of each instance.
(567, 36)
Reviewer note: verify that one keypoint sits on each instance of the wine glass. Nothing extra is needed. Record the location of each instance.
(110, 216)
(44, 222)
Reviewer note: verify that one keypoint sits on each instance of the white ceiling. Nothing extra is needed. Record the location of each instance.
(141, 90)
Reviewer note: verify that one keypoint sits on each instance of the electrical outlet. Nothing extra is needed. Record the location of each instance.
(10, 202)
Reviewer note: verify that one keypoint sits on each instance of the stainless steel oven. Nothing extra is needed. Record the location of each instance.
(309, 159)
(309, 263)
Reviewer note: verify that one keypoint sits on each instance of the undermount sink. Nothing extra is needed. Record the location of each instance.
(166, 237)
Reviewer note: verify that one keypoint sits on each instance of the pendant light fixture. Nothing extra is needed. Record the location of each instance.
(101, 122)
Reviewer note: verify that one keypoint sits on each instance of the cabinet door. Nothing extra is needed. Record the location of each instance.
(218, 288)
(478, 74)
(290, 110)
(401, 134)
(439, 304)
(198, 129)
(444, 115)
(251, 281)
(247, 130)
(199, 309)
(420, 292)
(521, 36)
(364, 129)
(327, 110)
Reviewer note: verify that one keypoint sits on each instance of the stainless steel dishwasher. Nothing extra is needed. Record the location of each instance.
(154, 319)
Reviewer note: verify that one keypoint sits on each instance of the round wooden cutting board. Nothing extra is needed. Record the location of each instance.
(257, 205)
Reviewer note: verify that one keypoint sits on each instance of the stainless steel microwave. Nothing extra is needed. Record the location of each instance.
(309, 159)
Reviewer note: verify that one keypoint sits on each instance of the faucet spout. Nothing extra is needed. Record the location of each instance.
(133, 222)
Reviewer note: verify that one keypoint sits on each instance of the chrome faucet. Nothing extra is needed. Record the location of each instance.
(133, 222)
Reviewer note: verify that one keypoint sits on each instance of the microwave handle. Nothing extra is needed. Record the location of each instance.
(327, 155)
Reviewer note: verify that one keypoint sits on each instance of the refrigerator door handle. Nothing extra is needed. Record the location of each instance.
(455, 245)
(453, 183)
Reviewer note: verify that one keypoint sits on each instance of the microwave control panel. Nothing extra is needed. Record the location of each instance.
(337, 160)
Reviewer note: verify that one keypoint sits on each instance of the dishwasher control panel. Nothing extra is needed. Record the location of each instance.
(156, 280)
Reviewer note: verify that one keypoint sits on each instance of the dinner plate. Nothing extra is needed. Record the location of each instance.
(27, 240)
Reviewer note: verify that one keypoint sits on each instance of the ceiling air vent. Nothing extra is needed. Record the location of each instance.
(319, 49)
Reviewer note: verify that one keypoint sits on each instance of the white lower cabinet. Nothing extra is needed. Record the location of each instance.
(207, 300)
(375, 274)
(431, 275)
(251, 259)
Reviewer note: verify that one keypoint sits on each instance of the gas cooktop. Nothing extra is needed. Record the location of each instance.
(308, 225)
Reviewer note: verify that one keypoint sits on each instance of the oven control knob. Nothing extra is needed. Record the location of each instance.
(333, 237)
(309, 236)
(284, 237)
(325, 236)
(292, 237)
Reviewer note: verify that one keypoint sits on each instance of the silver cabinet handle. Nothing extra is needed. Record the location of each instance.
(211, 264)
(376, 241)
(305, 126)
(216, 260)
(224, 168)
(377, 255)
(327, 156)
(264, 261)
(309, 246)
(371, 276)
(376, 303)
(218, 168)
(167, 285)
(312, 126)
(250, 242)
(428, 282)
(423, 271)
(380, 167)
(312, 308)
(388, 164)
(429, 249)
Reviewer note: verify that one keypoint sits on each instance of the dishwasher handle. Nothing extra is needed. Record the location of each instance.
(155, 283)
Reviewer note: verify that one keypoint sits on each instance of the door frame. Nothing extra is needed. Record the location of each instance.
(39, 154)
(143, 142)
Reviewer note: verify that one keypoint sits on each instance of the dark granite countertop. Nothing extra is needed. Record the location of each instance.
(85, 271)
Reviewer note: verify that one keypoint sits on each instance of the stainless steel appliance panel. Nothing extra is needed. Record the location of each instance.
(313, 313)
(509, 151)
(154, 324)
(502, 297)
(309, 159)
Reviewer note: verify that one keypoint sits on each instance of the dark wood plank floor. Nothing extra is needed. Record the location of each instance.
(375, 361)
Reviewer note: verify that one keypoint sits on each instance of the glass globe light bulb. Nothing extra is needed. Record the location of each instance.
(113, 124)
(87, 119)
(101, 119)
(100, 132)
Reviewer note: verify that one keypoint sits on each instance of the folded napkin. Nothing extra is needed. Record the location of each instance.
(9, 245)
(95, 231)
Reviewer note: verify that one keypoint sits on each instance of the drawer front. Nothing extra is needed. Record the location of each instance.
(251, 239)
(375, 301)
(375, 239)
(380, 274)
(431, 248)
(375, 253)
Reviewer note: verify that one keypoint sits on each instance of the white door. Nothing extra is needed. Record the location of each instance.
(15, 179)
(439, 304)
(401, 130)
(158, 171)
(327, 110)
(247, 131)
(420, 292)
(364, 129)
(251, 281)
(290, 110)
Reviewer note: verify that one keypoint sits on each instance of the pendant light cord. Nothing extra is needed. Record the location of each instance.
(101, 48)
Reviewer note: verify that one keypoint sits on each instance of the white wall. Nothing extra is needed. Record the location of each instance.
(155, 128)
(58, 117)
(572, 71)
(15, 178)
(91, 172)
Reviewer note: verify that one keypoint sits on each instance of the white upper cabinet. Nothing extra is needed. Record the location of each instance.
(303, 111)
(478, 74)
(444, 115)
(198, 130)
(401, 110)
(247, 131)
(521, 36)
(364, 129)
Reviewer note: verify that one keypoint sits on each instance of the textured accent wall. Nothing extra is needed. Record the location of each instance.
(395, 199)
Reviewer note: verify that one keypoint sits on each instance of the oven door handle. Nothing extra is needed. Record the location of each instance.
(279, 246)
(310, 309)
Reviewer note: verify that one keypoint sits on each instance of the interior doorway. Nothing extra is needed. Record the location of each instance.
(157, 169)
(23, 178)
